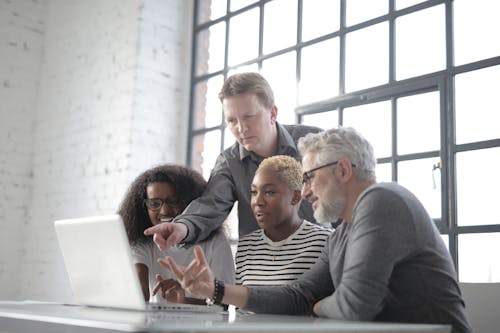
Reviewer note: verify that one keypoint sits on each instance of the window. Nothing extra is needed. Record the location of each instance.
(418, 78)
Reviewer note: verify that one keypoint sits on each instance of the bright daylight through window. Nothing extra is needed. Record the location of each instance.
(418, 79)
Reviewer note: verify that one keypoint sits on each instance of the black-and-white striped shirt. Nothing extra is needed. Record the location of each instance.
(260, 261)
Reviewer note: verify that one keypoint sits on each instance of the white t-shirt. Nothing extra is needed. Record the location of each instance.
(216, 249)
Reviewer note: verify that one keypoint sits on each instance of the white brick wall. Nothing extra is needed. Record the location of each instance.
(112, 101)
(21, 37)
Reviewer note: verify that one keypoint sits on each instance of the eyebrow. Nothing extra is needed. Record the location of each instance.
(266, 184)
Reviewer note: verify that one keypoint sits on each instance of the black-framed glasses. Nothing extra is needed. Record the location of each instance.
(309, 175)
(156, 203)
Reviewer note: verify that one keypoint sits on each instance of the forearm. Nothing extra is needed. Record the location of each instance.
(143, 274)
(277, 300)
(236, 295)
(207, 213)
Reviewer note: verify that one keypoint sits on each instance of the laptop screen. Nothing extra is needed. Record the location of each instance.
(98, 260)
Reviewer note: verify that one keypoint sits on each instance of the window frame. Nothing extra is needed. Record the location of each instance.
(442, 81)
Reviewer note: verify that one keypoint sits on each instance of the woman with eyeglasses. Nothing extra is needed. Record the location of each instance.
(157, 196)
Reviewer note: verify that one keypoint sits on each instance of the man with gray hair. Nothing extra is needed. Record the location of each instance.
(386, 262)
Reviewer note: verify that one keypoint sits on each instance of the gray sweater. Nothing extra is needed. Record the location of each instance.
(390, 264)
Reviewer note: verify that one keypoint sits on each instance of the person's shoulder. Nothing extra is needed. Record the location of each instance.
(233, 150)
(378, 196)
(227, 158)
(301, 129)
(383, 189)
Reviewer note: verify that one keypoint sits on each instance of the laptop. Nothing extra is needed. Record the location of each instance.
(99, 263)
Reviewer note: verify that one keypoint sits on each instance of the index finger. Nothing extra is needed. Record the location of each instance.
(153, 230)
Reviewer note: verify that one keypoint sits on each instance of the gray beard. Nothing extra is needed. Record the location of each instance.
(330, 211)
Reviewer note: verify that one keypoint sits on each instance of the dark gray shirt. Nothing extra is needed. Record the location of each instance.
(389, 264)
(230, 181)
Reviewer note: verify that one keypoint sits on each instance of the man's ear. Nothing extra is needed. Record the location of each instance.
(344, 169)
(274, 114)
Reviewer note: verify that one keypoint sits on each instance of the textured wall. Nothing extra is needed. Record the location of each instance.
(21, 38)
(111, 101)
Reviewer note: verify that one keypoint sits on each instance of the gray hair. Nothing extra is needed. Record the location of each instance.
(338, 143)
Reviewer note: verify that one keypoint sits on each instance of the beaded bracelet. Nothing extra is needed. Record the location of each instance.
(218, 293)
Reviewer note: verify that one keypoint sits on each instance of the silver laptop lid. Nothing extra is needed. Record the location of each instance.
(98, 260)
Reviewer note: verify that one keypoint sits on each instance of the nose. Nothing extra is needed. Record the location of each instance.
(166, 210)
(242, 127)
(257, 199)
(306, 191)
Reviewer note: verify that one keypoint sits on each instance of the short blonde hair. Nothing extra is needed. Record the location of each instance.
(288, 169)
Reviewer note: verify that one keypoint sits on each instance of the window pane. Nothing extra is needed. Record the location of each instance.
(207, 106)
(238, 4)
(477, 187)
(243, 37)
(446, 240)
(280, 73)
(363, 118)
(419, 177)
(383, 172)
(478, 257)
(243, 69)
(364, 71)
(229, 139)
(282, 35)
(319, 17)
(420, 48)
(418, 123)
(476, 27)
(362, 10)
(320, 72)
(324, 120)
(205, 150)
(477, 107)
(210, 49)
(211, 10)
(400, 4)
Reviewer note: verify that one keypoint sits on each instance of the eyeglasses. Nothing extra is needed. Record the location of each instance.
(309, 175)
(156, 203)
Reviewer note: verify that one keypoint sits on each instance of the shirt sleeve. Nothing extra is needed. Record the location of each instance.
(220, 259)
(206, 213)
(140, 254)
(381, 236)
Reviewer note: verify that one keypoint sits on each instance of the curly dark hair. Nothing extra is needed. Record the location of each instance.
(187, 183)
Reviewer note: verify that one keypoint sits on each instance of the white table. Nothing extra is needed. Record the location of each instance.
(17, 317)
